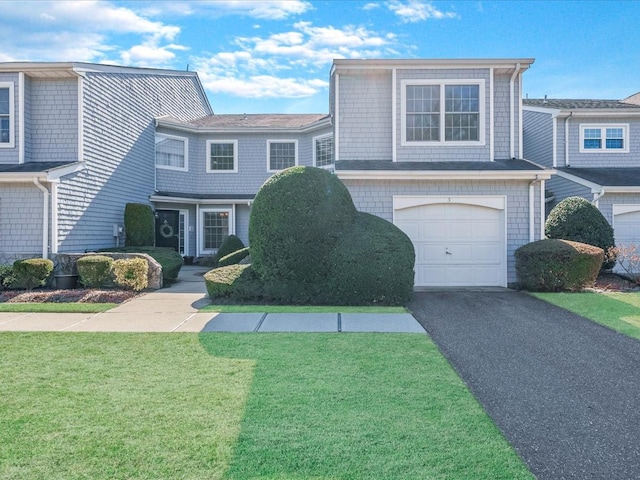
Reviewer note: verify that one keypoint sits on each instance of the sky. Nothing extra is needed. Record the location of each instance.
(275, 56)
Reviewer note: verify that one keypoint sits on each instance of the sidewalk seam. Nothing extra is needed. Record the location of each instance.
(260, 323)
(183, 322)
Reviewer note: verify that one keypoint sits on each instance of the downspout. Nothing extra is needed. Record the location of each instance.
(554, 141)
(45, 217)
(21, 120)
(597, 197)
(532, 207)
(512, 112)
(543, 207)
(54, 217)
(566, 140)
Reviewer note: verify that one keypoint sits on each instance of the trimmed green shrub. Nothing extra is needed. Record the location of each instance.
(234, 258)
(31, 272)
(139, 225)
(131, 273)
(372, 263)
(239, 282)
(553, 265)
(94, 270)
(170, 260)
(296, 219)
(6, 276)
(229, 245)
(578, 220)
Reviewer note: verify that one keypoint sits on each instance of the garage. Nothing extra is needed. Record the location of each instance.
(626, 224)
(459, 240)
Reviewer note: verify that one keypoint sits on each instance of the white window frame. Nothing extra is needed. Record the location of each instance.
(603, 137)
(12, 116)
(442, 83)
(185, 142)
(284, 140)
(333, 159)
(235, 156)
(203, 211)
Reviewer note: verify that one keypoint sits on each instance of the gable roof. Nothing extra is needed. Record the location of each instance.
(252, 122)
(606, 177)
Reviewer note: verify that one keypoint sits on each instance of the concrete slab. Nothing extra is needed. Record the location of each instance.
(44, 322)
(232, 322)
(161, 303)
(6, 317)
(195, 322)
(300, 322)
(127, 322)
(380, 322)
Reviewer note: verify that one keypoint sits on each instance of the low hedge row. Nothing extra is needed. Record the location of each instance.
(170, 260)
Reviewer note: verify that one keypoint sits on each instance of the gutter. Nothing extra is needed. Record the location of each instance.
(45, 217)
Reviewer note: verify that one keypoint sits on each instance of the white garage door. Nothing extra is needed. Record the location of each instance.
(459, 241)
(626, 224)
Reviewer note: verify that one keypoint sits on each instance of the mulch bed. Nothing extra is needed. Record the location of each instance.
(66, 296)
(610, 282)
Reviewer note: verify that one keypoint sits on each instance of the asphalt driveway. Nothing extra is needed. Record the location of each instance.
(564, 391)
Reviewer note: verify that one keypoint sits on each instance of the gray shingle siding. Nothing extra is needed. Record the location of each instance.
(604, 159)
(119, 150)
(21, 220)
(376, 197)
(606, 203)
(538, 137)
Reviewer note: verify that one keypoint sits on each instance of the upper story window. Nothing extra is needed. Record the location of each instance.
(222, 156)
(323, 151)
(6, 115)
(604, 138)
(447, 112)
(171, 152)
(281, 154)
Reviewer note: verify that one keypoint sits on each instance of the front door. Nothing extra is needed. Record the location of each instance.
(167, 228)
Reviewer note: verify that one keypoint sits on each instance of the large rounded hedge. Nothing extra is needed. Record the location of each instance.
(552, 265)
(578, 220)
(296, 219)
(139, 225)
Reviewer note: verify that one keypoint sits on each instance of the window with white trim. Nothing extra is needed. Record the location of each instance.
(604, 138)
(171, 152)
(323, 151)
(6, 115)
(442, 112)
(281, 154)
(215, 226)
(222, 156)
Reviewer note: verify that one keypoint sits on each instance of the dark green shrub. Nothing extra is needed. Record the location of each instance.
(238, 282)
(168, 258)
(94, 270)
(296, 219)
(139, 224)
(578, 220)
(372, 263)
(131, 273)
(229, 245)
(31, 272)
(552, 265)
(6, 276)
(234, 258)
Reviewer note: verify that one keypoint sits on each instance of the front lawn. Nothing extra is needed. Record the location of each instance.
(619, 311)
(240, 406)
(57, 307)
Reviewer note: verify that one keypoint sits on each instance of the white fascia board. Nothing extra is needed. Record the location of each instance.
(621, 189)
(595, 188)
(55, 173)
(498, 63)
(443, 175)
(602, 113)
(199, 201)
(11, 177)
(162, 122)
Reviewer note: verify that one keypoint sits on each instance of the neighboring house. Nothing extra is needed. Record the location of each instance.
(77, 144)
(594, 145)
(435, 146)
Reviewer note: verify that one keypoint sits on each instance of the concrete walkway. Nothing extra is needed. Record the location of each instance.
(175, 309)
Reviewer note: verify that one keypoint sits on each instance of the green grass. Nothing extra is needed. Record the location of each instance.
(300, 309)
(616, 310)
(69, 307)
(358, 407)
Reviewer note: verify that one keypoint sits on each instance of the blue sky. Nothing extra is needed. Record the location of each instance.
(275, 56)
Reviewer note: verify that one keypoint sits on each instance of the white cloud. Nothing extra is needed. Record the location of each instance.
(413, 11)
(262, 9)
(371, 6)
(262, 86)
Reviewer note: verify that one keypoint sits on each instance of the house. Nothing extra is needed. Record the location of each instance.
(435, 146)
(594, 145)
(77, 144)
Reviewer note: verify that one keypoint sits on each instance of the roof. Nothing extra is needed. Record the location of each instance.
(207, 196)
(388, 165)
(499, 63)
(32, 167)
(578, 104)
(67, 69)
(606, 177)
(259, 120)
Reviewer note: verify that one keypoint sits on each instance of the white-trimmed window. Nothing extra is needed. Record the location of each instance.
(216, 224)
(323, 151)
(171, 152)
(222, 156)
(7, 117)
(442, 112)
(604, 138)
(281, 154)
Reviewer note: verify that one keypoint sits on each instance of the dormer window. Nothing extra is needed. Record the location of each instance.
(604, 138)
(6, 115)
(448, 112)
